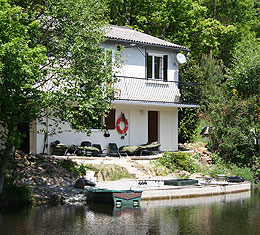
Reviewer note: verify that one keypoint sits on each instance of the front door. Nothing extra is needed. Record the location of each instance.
(152, 126)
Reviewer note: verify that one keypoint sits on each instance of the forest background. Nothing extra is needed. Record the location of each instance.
(223, 36)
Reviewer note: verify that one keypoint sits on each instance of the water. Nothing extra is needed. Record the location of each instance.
(218, 215)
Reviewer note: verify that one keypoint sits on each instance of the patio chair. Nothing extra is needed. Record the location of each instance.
(149, 148)
(114, 151)
(86, 149)
(100, 152)
(143, 149)
(62, 149)
(85, 144)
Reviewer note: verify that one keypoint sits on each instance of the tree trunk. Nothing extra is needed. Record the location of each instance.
(5, 156)
(3, 166)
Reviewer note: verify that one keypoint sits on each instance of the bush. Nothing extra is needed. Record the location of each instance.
(179, 160)
(244, 172)
(113, 172)
(75, 169)
(69, 165)
(15, 195)
(188, 123)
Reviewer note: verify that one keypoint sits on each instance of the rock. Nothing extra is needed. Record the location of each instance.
(54, 199)
(80, 183)
(90, 183)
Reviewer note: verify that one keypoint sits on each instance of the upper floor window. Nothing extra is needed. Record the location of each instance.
(157, 66)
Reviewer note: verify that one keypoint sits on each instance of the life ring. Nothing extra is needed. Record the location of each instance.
(118, 126)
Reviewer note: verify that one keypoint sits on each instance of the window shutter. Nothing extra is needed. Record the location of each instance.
(146, 65)
(165, 67)
(110, 120)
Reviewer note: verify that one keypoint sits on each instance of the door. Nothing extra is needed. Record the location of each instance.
(152, 126)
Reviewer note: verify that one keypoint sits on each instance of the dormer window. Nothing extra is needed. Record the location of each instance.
(157, 66)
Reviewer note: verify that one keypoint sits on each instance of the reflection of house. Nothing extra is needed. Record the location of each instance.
(148, 95)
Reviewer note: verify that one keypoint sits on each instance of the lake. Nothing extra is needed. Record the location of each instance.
(230, 214)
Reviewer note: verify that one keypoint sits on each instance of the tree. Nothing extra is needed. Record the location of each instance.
(51, 65)
(229, 117)
(20, 60)
(244, 80)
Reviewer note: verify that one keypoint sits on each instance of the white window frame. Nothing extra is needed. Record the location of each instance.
(153, 63)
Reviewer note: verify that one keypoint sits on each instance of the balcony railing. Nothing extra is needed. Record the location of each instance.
(190, 92)
(154, 90)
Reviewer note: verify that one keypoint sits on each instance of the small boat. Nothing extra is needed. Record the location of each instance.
(180, 182)
(235, 179)
(116, 197)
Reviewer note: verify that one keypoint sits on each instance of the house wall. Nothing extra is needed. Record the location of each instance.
(134, 60)
(137, 115)
(137, 133)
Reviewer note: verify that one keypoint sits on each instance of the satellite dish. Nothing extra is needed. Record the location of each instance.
(181, 58)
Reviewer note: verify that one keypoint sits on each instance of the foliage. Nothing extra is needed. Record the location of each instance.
(245, 172)
(51, 62)
(113, 172)
(244, 73)
(68, 165)
(15, 195)
(188, 118)
(188, 122)
(221, 168)
(202, 26)
(178, 160)
(229, 135)
(108, 172)
(75, 169)
(229, 117)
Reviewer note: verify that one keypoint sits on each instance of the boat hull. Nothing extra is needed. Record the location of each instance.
(116, 197)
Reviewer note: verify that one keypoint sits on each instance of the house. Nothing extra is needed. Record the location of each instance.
(148, 96)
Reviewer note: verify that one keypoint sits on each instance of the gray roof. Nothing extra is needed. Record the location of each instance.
(126, 34)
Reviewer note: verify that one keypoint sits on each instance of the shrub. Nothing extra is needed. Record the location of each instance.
(244, 172)
(75, 169)
(15, 194)
(113, 172)
(178, 160)
(69, 165)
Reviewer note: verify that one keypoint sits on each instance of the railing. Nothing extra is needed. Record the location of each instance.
(154, 90)
(190, 92)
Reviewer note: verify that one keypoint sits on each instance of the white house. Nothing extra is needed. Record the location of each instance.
(148, 96)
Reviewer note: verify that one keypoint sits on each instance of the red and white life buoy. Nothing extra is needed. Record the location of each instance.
(118, 126)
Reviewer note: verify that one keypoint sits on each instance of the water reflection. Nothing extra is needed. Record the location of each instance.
(225, 214)
(112, 210)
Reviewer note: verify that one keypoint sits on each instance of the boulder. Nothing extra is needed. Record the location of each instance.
(80, 184)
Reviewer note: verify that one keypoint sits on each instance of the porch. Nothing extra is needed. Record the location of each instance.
(156, 90)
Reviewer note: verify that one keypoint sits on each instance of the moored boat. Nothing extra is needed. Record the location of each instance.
(116, 197)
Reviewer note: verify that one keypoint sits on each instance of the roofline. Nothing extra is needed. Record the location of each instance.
(148, 44)
(156, 103)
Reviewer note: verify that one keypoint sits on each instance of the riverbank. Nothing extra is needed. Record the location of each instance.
(52, 178)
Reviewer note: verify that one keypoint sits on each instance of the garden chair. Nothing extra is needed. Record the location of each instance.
(100, 152)
(114, 151)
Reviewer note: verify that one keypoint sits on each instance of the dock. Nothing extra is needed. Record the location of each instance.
(155, 189)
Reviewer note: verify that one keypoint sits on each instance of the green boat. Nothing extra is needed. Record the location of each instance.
(180, 182)
(116, 197)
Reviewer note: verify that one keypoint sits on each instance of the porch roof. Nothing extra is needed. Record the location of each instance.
(156, 103)
(126, 34)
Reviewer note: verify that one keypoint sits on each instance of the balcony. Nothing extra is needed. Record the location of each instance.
(151, 90)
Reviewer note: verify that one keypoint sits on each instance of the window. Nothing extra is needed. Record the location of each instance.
(110, 120)
(101, 122)
(157, 66)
